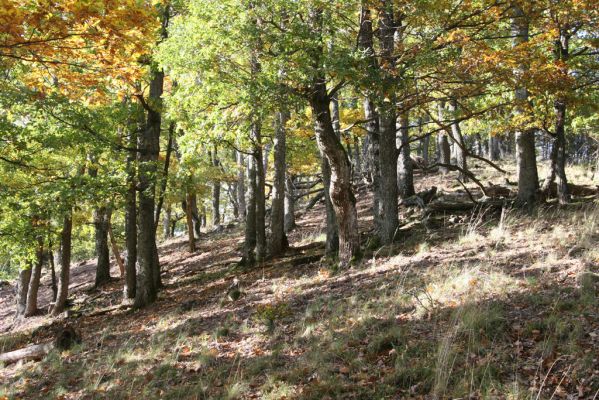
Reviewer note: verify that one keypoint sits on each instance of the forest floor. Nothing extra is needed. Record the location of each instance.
(497, 305)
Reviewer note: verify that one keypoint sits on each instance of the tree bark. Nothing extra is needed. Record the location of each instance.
(331, 229)
(563, 194)
(34, 282)
(21, 290)
(366, 44)
(250, 214)
(458, 138)
(63, 257)
(388, 125)
(101, 222)
(164, 177)
(494, 151)
(189, 219)
(166, 222)
(340, 191)
(289, 204)
(115, 250)
(215, 191)
(52, 275)
(241, 185)
(528, 178)
(148, 270)
(405, 170)
(278, 239)
(444, 151)
(131, 219)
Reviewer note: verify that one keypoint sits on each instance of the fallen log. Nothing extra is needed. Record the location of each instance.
(575, 190)
(314, 200)
(31, 353)
(64, 340)
(442, 206)
(421, 199)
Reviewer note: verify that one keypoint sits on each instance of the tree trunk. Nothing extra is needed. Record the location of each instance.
(166, 222)
(260, 200)
(357, 158)
(164, 177)
(148, 270)
(289, 204)
(444, 156)
(366, 44)
(340, 191)
(115, 250)
(63, 256)
(101, 221)
(131, 216)
(405, 171)
(215, 192)
(331, 228)
(528, 178)
(250, 214)
(494, 151)
(388, 125)
(189, 219)
(52, 275)
(563, 194)
(241, 185)
(458, 139)
(22, 289)
(34, 282)
(278, 239)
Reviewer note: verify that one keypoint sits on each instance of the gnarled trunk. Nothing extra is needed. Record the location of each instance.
(340, 191)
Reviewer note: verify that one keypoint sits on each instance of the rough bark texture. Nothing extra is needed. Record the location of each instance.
(387, 125)
(366, 44)
(405, 166)
(63, 258)
(115, 250)
(528, 178)
(444, 151)
(189, 219)
(250, 214)
(340, 191)
(458, 139)
(260, 201)
(34, 282)
(241, 185)
(278, 239)
(332, 232)
(164, 176)
(166, 222)
(494, 150)
(21, 290)
(131, 220)
(148, 270)
(101, 218)
(289, 204)
(215, 192)
(563, 194)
